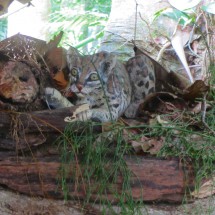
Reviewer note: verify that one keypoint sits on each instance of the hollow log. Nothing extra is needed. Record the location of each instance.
(152, 179)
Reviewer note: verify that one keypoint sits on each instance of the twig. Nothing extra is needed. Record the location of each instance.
(204, 108)
(206, 28)
(191, 37)
(150, 34)
(207, 40)
(118, 36)
(127, 41)
(162, 51)
(135, 24)
(192, 66)
(8, 14)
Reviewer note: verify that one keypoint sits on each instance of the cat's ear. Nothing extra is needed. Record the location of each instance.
(73, 57)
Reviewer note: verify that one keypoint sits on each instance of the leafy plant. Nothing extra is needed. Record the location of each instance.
(209, 8)
(82, 22)
(181, 17)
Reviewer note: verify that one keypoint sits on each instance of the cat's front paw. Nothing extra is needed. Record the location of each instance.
(55, 99)
(82, 116)
(82, 113)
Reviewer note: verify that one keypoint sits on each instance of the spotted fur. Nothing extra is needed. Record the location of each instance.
(142, 79)
(108, 86)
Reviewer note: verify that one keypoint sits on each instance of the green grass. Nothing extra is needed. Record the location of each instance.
(103, 161)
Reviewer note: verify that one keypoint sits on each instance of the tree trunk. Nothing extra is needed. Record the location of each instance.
(125, 25)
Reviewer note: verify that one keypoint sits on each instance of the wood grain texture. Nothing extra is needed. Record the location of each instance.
(151, 180)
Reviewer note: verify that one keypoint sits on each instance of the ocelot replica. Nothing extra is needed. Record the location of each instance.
(108, 86)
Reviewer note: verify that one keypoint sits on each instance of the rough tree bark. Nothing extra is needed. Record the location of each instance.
(126, 25)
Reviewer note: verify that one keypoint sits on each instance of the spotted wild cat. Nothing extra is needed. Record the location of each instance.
(107, 85)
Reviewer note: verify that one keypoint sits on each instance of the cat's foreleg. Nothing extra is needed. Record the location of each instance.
(55, 99)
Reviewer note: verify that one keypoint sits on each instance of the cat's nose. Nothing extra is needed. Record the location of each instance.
(80, 87)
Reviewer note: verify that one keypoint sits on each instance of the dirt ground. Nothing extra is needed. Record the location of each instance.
(16, 204)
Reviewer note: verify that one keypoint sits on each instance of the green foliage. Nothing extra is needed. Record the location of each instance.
(184, 17)
(81, 21)
(177, 15)
(3, 29)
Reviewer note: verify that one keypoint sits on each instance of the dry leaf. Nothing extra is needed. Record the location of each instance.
(161, 121)
(156, 145)
(148, 145)
(52, 43)
(24, 47)
(110, 126)
(55, 59)
(4, 6)
(205, 190)
(196, 90)
(60, 81)
(162, 102)
(177, 82)
(198, 108)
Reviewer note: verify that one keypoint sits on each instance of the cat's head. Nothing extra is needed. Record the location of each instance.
(88, 73)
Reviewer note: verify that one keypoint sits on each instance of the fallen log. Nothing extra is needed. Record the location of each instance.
(152, 179)
(36, 174)
(20, 130)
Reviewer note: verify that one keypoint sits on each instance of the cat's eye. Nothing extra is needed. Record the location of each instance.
(94, 77)
(74, 72)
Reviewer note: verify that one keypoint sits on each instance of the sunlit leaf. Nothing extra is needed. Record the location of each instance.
(184, 4)
(76, 17)
(176, 15)
(210, 8)
(206, 189)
